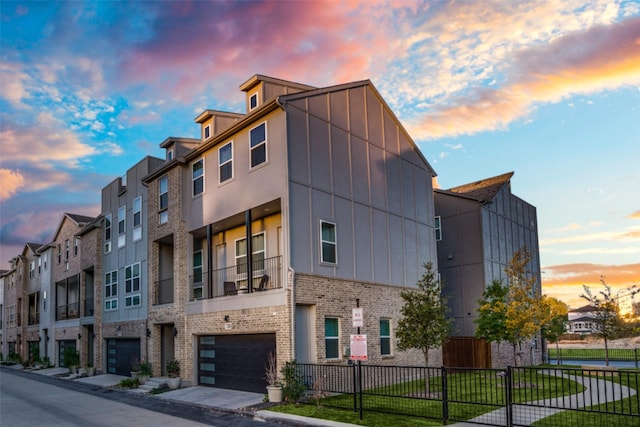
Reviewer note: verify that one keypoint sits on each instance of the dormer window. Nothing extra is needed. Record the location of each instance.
(253, 101)
(206, 132)
(169, 155)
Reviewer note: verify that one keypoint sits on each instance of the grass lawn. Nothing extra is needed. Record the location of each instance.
(407, 402)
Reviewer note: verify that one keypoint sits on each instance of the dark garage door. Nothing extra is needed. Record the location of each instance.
(122, 354)
(234, 361)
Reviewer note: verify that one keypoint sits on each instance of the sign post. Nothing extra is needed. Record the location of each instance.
(358, 347)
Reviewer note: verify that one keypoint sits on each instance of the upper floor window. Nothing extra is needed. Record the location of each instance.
(76, 245)
(32, 269)
(122, 240)
(198, 177)
(169, 155)
(46, 258)
(66, 249)
(107, 233)
(329, 249)
(137, 218)
(258, 144)
(206, 132)
(438, 229)
(163, 205)
(225, 159)
(39, 265)
(59, 253)
(132, 284)
(253, 101)
(111, 290)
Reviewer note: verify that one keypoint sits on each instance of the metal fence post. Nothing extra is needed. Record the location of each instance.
(445, 402)
(360, 387)
(355, 389)
(635, 356)
(509, 397)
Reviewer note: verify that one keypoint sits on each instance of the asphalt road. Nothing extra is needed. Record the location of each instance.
(29, 400)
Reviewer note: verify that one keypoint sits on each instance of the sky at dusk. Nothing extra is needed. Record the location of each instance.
(547, 89)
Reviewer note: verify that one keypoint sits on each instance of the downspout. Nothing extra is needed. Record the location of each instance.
(291, 270)
(247, 220)
(209, 261)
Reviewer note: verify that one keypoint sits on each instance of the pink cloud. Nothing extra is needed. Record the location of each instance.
(602, 58)
(12, 181)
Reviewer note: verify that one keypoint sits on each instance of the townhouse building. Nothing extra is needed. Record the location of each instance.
(268, 230)
(32, 300)
(13, 331)
(71, 277)
(479, 227)
(122, 292)
(2, 321)
(46, 315)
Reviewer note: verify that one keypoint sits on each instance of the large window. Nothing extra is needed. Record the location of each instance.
(329, 249)
(137, 218)
(258, 256)
(107, 233)
(385, 337)
(163, 204)
(225, 159)
(198, 177)
(122, 237)
(258, 144)
(111, 290)
(331, 338)
(438, 229)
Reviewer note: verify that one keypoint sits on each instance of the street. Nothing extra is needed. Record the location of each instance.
(27, 400)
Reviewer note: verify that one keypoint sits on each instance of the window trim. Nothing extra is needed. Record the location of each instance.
(169, 155)
(107, 233)
(336, 338)
(111, 299)
(131, 268)
(195, 179)
(259, 144)
(205, 129)
(222, 164)
(438, 228)
(334, 243)
(255, 95)
(163, 195)
(385, 337)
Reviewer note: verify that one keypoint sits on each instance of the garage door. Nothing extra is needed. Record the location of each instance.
(234, 361)
(122, 354)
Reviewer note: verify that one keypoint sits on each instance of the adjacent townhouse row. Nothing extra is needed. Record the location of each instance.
(260, 237)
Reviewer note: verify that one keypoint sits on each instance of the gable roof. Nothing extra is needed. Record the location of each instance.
(483, 190)
(584, 309)
(79, 220)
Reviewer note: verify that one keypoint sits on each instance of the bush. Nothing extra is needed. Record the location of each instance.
(145, 368)
(128, 383)
(173, 368)
(71, 357)
(293, 388)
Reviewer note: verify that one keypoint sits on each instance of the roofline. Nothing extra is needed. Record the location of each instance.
(257, 78)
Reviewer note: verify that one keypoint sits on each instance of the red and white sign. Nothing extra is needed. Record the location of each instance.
(359, 347)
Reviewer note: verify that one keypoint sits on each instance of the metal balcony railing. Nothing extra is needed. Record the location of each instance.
(267, 274)
(68, 311)
(88, 307)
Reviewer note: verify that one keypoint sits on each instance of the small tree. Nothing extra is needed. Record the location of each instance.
(491, 323)
(607, 316)
(424, 324)
(557, 313)
(525, 315)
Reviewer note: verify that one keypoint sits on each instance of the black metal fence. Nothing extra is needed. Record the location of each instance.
(515, 396)
(631, 355)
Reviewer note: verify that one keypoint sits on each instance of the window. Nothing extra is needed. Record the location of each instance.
(111, 290)
(132, 300)
(66, 249)
(258, 255)
(385, 337)
(258, 144)
(163, 190)
(198, 177)
(169, 155)
(132, 278)
(197, 274)
(137, 219)
(107, 233)
(39, 265)
(438, 229)
(76, 245)
(59, 253)
(206, 132)
(46, 258)
(328, 242)
(32, 269)
(225, 160)
(137, 211)
(331, 338)
(253, 101)
(122, 240)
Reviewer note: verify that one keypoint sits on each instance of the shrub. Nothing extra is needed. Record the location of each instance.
(293, 388)
(173, 368)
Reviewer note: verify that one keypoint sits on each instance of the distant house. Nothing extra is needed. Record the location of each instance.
(582, 321)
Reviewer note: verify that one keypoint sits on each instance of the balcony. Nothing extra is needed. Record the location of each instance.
(267, 275)
(69, 311)
(34, 319)
(163, 292)
(88, 307)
